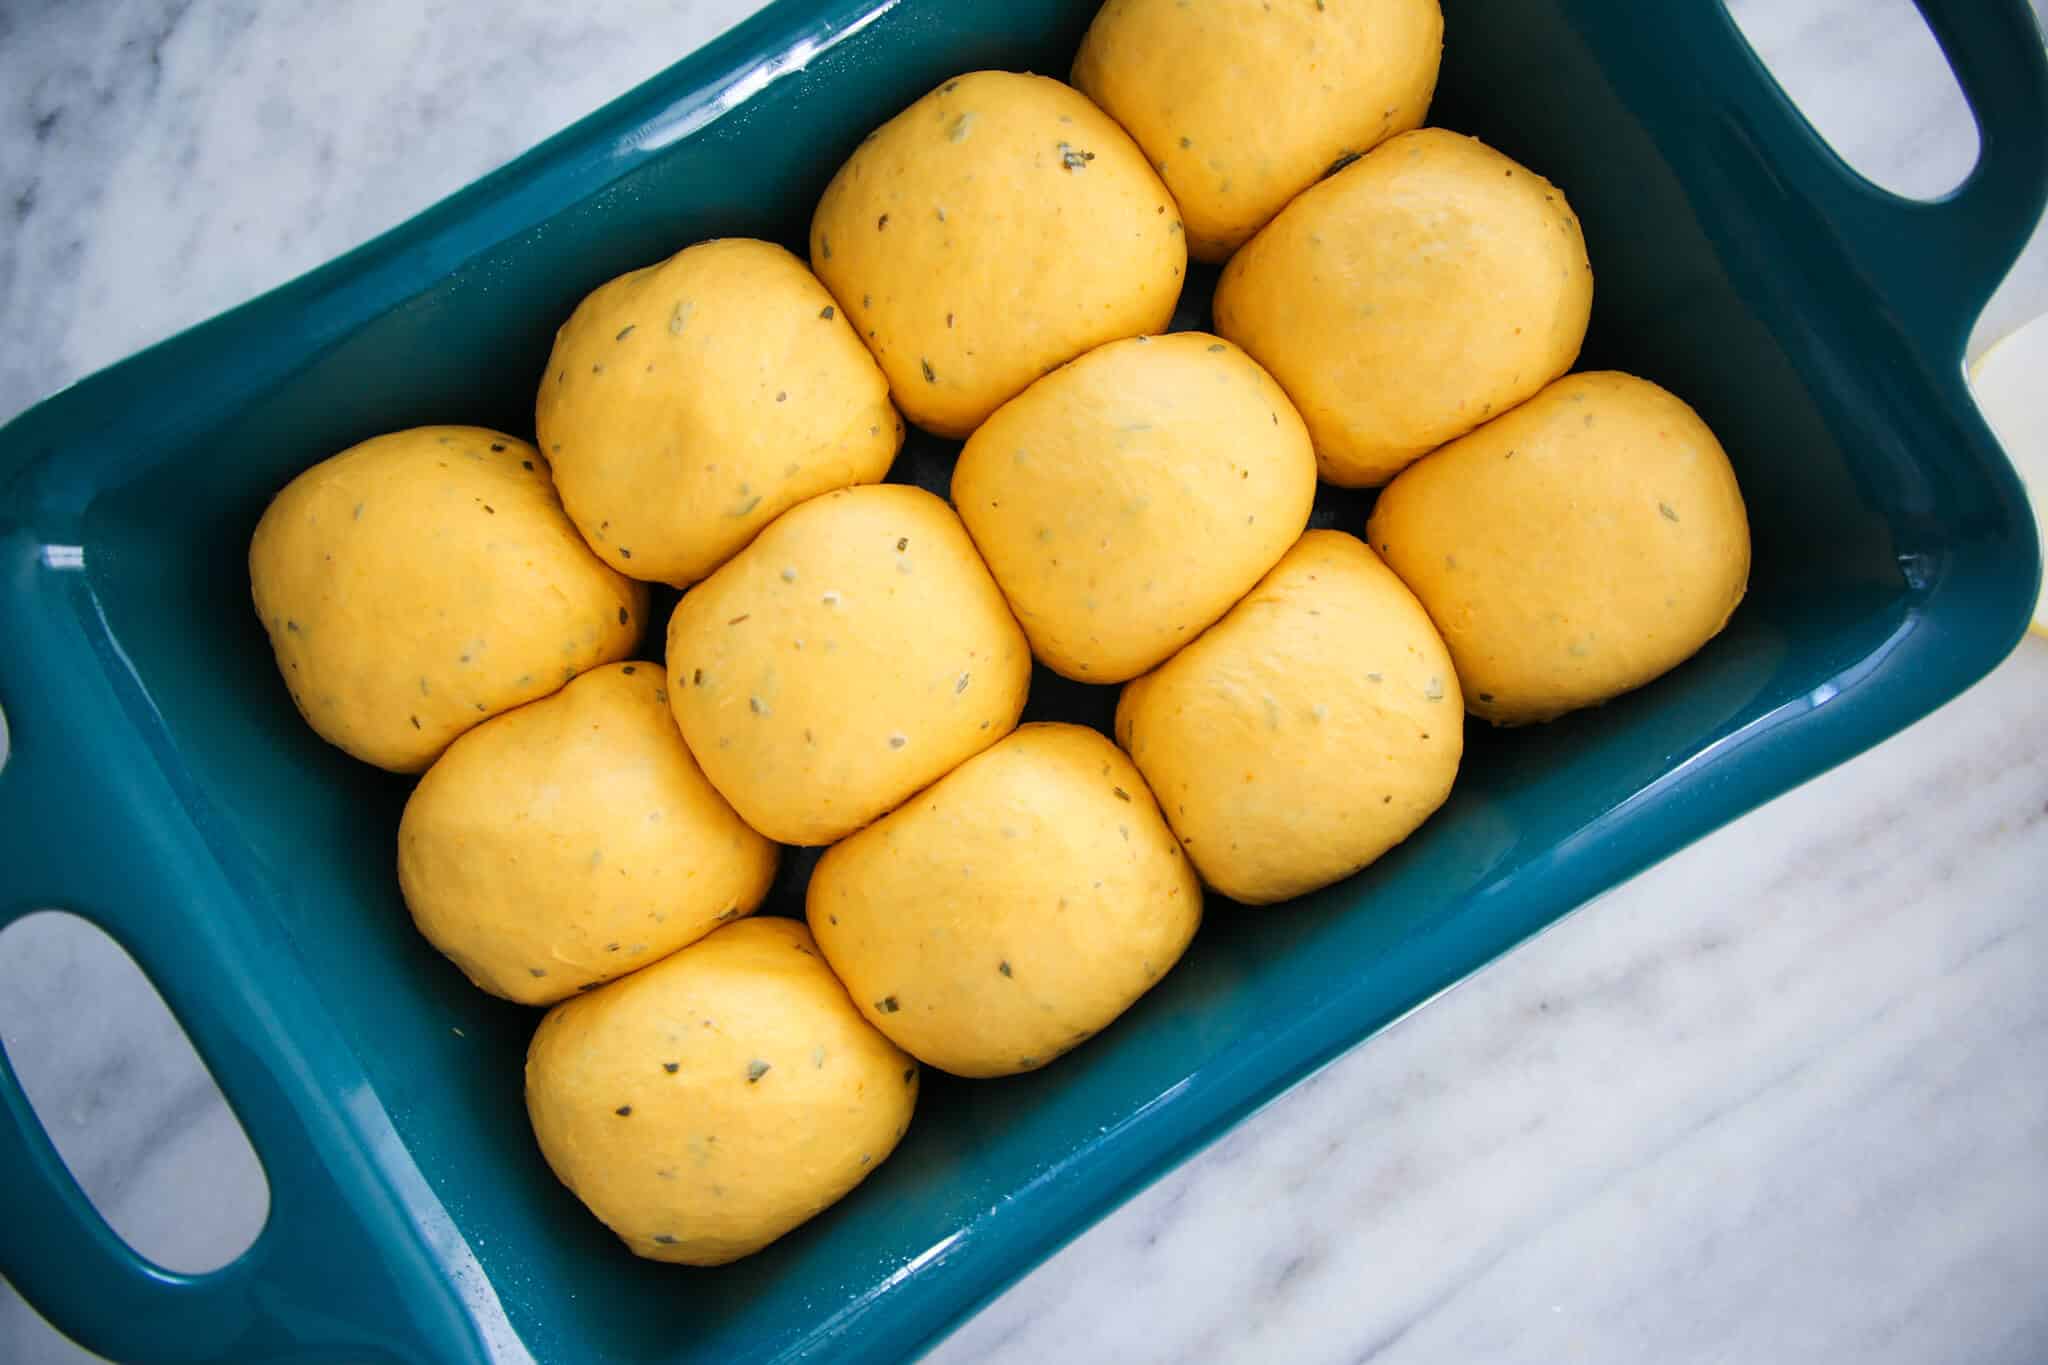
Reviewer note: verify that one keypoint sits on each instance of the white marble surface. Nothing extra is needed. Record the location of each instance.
(1785, 1097)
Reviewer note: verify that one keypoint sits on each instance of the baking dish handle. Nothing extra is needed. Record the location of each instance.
(1967, 240)
(347, 1264)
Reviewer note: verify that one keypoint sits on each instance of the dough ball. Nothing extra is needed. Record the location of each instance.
(574, 840)
(707, 1105)
(1428, 286)
(1309, 731)
(857, 651)
(1011, 911)
(1578, 547)
(1243, 104)
(689, 404)
(995, 229)
(424, 581)
(1124, 501)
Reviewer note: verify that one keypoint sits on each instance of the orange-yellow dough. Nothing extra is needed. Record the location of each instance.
(1243, 104)
(856, 651)
(705, 1106)
(1309, 731)
(1428, 286)
(424, 581)
(689, 404)
(574, 840)
(1574, 549)
(1124, 501)
(1012, 910)
(997, 228)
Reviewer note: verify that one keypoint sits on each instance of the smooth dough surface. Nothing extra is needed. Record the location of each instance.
(1200, 88)
(995, 229)
(1011, 911)
(1431, 284)
(855, 652)
(426, 580)
(574, 840)
(1309, 731)
(1124, 501)
(1574, 549)
(705, 1106)
(689, 404)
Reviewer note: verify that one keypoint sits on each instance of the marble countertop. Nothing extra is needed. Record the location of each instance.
(1780, 1098)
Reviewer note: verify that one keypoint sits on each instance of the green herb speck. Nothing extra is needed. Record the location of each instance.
(538, 971)
(961, 685)
(1665, 508)
(929, 377)
(624, 1111)
(881, 222)
(887, 1005)
(625, 331)
(756, 1069)
(1004, 968)
(741, 617)
(498, 446)
(527, 464)
(664, 1238)
(1120, 793)
(826, 312)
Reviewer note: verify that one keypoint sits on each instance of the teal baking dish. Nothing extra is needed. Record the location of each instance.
(161, 784)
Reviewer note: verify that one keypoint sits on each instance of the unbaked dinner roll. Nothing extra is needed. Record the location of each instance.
(1124, 501)
(424, 581)
(1309, 731)
(1428, 286)
(573, 840)
(689, 404)
(1243, 104)
(1574, 549)
(1012, 910)
(856, 651)
(707, 1105)
(998, 227)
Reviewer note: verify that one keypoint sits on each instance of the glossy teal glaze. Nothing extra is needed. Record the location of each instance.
(163, 785)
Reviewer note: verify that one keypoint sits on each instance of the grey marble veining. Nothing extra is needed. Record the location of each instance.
(1780, 1098)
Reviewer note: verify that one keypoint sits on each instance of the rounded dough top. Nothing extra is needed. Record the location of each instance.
(706, 1105)
(1013, 909)
(1126, 500)
(689, 404)
(1573, 549)
(995, 229)
(855, 652)
(1428, 286)
(426, 580)
(1307, 732)
(1196, 86)
(574, 839)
